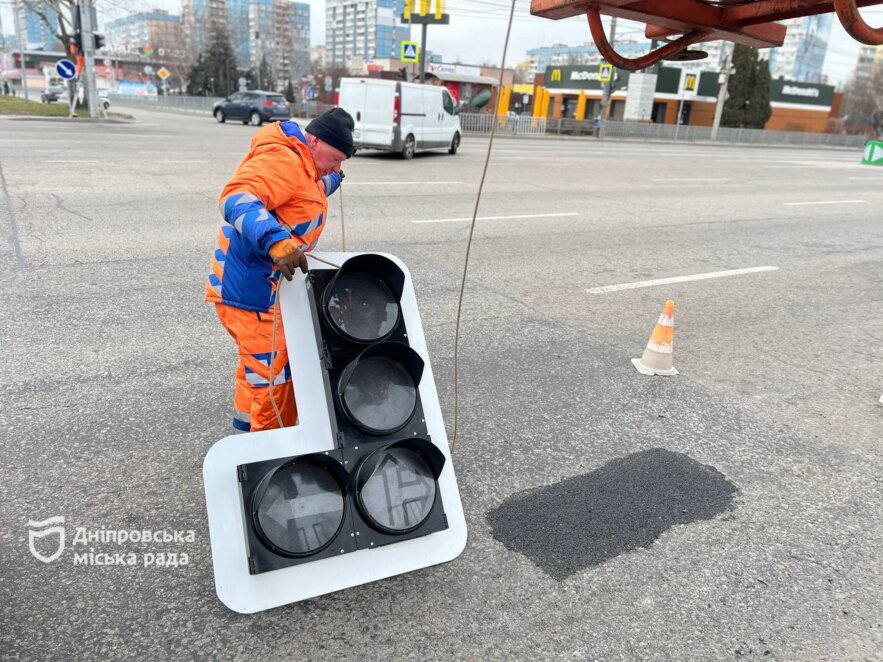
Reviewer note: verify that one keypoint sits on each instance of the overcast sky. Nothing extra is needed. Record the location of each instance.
(478, 29)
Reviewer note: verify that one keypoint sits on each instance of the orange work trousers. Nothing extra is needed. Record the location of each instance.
(252, 406)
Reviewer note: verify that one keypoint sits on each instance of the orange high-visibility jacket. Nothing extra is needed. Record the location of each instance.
(275, 193)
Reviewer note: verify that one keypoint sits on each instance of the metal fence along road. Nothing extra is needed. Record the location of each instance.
(670, 132)
(479, 123)
(202, 105)
(516, 126)
(176, 104)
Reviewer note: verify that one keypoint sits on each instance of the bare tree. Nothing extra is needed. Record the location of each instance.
(863, 103)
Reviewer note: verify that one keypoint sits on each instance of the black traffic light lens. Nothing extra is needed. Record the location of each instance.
(380, 394)
(362, 307)
(396, 489)
(301, 509)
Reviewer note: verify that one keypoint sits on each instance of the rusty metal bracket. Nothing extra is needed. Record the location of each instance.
(855, 25)
(633, 64)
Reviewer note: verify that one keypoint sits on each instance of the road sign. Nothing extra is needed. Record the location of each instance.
(363, 486)
(409, 51)
(605, 73)
(873, 154)
(66, 69)
(329, 83)
(243, 83)
(148, 69)
(163, 73)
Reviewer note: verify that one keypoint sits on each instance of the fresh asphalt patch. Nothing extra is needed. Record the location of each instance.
(625, 504)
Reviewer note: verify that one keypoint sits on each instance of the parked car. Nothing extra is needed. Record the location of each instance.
(51, 94)
(254, 107)
(400, 117)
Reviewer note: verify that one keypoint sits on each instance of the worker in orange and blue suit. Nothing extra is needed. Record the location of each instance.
(274, 208)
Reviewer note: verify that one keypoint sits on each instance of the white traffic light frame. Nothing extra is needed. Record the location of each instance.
(246, 593)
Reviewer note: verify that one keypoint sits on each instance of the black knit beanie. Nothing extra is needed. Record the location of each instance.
(335, 127)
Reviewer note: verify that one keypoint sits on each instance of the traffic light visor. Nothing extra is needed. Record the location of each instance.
(396, 486)
(378, 390)
(298, 509)
(362, 301)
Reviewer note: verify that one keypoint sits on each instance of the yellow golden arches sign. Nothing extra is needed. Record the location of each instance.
(690, 82)
(556, 75)
(423, 8)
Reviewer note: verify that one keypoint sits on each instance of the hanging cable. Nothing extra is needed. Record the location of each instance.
(469, 241)
(273, 341)
(342, 226)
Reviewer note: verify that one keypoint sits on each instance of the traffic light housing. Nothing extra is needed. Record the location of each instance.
(363, 487)
(403, 74)
(100, 41)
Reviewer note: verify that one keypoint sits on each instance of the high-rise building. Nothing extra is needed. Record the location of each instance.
(199, 20)
(802, 56)
(363, 30)
(317, 56)
(870, 59)
(274, 31)
(155, 33)
(33, 32)
(559, 55)
(279, 36)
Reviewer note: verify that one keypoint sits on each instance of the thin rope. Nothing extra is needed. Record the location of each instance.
(273, 353)
(273, 341)
(342, 226)
(471, 233)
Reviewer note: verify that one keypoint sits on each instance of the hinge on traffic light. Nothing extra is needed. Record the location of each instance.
(339, 436)
(241, 473)
(326, 356)
(252, 565)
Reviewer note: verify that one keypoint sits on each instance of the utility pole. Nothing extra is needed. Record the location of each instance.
(423, 53)
(723, 80)
(21, 38)
(605, 96)
(87, 18)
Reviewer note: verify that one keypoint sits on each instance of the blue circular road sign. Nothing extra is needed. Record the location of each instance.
(66, 69)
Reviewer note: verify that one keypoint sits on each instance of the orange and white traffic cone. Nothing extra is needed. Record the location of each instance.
(657, 357)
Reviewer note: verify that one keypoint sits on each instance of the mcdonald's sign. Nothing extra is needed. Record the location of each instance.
(556, 76)
(690, 82)
(425, 11)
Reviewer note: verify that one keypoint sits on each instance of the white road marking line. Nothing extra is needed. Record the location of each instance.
(497, 218)
(69, 161)
(876, 179)
(691, 179)
(346, 183)
(824, 202)
(678, 279)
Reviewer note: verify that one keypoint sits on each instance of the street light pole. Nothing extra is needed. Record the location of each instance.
(17, 7)
(605, 96)
(724, 80)
(423, 53)
(86, 16)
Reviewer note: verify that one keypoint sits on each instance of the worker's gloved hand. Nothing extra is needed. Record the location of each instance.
(288, 255)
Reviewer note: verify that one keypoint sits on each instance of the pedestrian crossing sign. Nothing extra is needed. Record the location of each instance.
(605, 73)
(409, 51)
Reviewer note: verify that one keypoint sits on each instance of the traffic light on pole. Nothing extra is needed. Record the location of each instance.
(100, 41)
(366, 489)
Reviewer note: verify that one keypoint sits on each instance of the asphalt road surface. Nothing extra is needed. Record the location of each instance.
(730, 512)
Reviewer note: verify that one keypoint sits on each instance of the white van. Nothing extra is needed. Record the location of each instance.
(400, 117)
